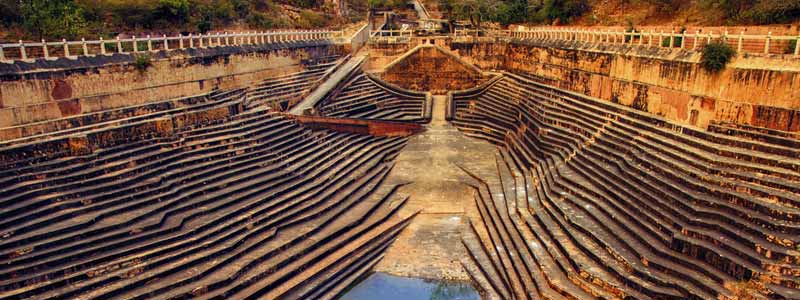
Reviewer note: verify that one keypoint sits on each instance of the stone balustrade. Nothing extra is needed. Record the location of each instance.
(135, 44)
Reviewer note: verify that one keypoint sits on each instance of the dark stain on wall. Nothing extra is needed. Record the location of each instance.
(61, 90)
(69, 107)
(640, 99)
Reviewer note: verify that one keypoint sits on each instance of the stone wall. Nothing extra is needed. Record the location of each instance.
(51, 89)
(432, 68)
(761, 91)
(381, 55)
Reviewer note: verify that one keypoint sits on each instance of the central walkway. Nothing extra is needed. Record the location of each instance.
(430, 247)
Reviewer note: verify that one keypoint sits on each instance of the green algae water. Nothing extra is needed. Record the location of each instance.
(381, 286)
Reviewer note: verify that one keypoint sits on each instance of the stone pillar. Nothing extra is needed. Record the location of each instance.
(66, 47)
(149, 44)
(740, 43)
(766, 42)
(191, 41)
(797, 46)
(47, 53)
(85, 47)
(135, 46)
(166, 42)
(22, 51)
(119, 46)
(180, 41)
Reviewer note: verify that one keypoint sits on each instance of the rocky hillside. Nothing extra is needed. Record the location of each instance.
(55, 19)
(622, 12)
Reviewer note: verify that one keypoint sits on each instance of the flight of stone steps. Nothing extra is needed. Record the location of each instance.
(366, 97)
(281, 92)
(209, 201)
(596, 200)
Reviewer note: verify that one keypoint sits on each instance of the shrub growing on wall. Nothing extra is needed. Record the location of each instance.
(142, 62)
(715, 56)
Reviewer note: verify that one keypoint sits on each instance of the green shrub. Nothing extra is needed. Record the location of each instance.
(311, 19)
(715, 56)
(386, 4)
(142, 62)
(790, 47)
(564, 10)
(52, 18)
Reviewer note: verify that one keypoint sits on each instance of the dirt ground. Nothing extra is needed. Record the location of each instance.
(430, 247)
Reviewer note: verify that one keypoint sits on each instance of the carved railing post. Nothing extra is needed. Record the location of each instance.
(797, 46)
(766, 43)
(66, 47)
(44, 49)
(22, 51)
(85, 47)
(740, 43)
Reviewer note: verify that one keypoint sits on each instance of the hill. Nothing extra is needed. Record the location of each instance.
(623, 12)
(55, 19)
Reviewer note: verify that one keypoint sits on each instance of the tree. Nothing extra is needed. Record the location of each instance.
(9, 12)
(475, 10)
(173, 11)
(52, 18)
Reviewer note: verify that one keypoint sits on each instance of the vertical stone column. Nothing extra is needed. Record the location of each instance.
(672, 39)
(797, 46)
(85, 47)
(47, 53)
(22, 51)
(66, 47)
(767, 42)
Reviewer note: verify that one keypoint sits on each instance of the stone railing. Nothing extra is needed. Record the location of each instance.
(33, 50)
(391, 36)
(743, 43)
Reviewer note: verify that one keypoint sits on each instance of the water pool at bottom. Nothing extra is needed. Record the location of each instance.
(382, 286)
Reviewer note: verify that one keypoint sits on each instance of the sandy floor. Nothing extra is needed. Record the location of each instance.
(431, 246)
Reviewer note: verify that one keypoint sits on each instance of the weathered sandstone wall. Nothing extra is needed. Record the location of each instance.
(761, 91)
(52, 89)
(432, 68)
